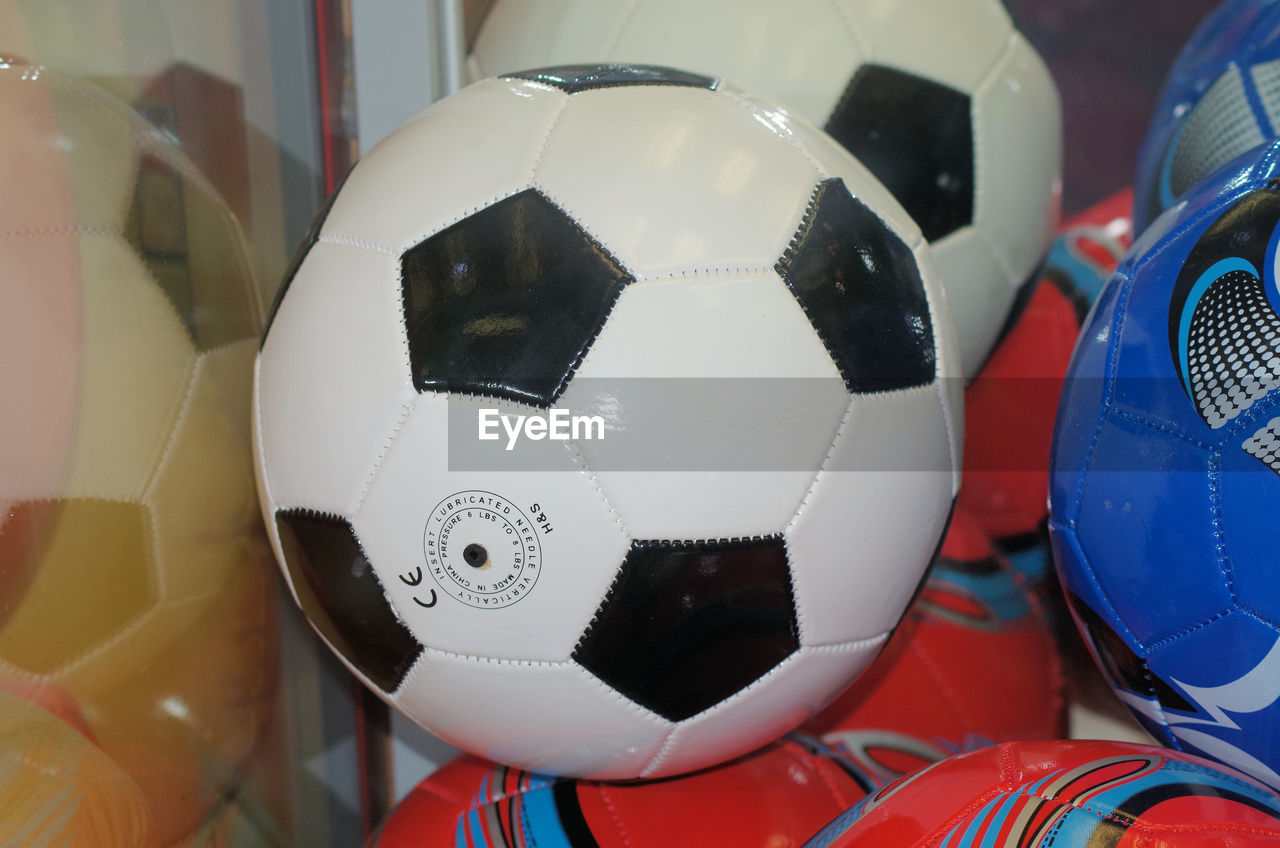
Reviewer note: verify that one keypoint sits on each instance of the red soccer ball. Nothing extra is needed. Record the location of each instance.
(1010, 405)
(776, 797)
(1064, 794)
(974, 662)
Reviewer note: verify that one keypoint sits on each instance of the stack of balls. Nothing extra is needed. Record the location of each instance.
(612, 414)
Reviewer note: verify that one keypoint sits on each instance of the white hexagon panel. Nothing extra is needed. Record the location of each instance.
(945, 102)
(558, 472)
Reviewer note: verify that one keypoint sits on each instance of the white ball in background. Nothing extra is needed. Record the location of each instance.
(946, 103)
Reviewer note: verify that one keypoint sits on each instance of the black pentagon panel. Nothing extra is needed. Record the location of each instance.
(688, 624)
(300, 253)
(343, 598)
(575, 78)
(188, 242)
(916, 136)
(861, 288)
(506, 303)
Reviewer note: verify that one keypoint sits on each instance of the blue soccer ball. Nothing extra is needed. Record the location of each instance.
(1165, 484)
(1221, 99)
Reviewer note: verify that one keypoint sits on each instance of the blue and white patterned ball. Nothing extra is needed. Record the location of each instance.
(1166, 473)
(1221, 100)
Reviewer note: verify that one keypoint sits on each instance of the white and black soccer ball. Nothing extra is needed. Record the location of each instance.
(758, 327)
(945, 102)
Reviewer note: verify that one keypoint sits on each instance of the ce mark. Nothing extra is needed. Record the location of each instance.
(413, 579)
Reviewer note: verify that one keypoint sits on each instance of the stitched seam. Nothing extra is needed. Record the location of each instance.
(1003, 261)
(956, 462)
(822, 466)
(603, 789)
(104, 645)
(264, 472)
(781, 270)
(1115, 617)
(849, 26)
(707, 271)
(423, 235)
(1163, 641)
(352, 241)
(406, 406)
(49, 232)
(580, 360)
(720, 540)
(1162, 426)
(797, 609)
(789, 140)
(847, 645)
(979, 144)
(800, 756)
(546, 138)
(502, 661)
(1159, 426)
(456, 394)
(1104, 410)
(1221, 827)
(583, 355)
(664, 752)
(609, 691)
(177, 415)
(660, 756)
(941, 366)
(589, 629)
(611, 43)
(1219, 533)
(1257, 616)
(401, 418)
(580, 460)
(1093, 581)
(806, 221)
(176, 419)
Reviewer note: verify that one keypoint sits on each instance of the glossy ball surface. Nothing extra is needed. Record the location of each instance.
(756, 323)
(946, 104)
(1221, 100)
(1065, 794)
(1164, 473)
(778, 796)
